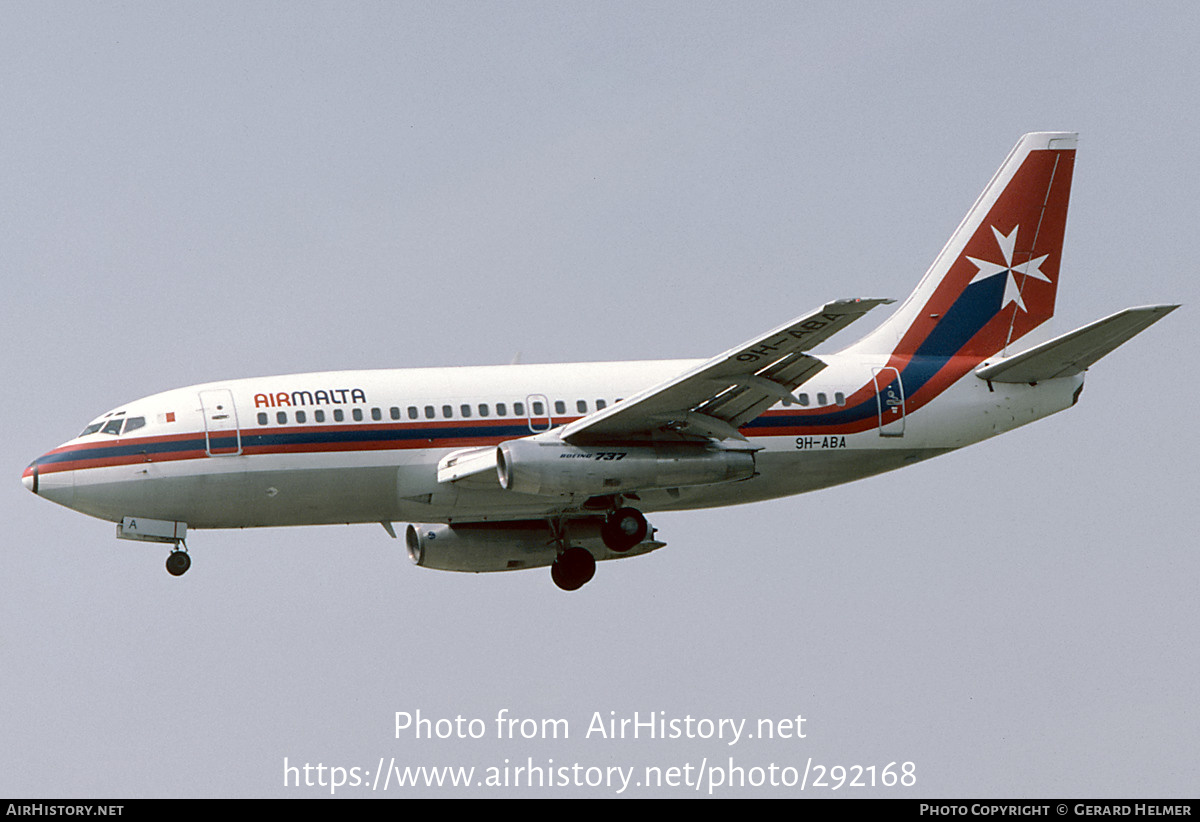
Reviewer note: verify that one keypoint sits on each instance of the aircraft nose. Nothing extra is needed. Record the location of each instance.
(30, 478)
(54, 485)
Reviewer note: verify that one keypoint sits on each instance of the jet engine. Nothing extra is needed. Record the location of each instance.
(505, 546)
(556, 468)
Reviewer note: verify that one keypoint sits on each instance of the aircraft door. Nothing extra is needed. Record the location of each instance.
(889, 393)
(222, 435)
(537, 410)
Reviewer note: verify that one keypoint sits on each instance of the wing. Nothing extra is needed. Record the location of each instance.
(714, 399)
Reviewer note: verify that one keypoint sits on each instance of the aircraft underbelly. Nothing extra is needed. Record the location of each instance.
(784, 475)
(302, 496)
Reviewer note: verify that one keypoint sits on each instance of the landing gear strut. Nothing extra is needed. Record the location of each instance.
(178, 562)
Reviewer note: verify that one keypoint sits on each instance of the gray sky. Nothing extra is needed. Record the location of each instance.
(211, 191)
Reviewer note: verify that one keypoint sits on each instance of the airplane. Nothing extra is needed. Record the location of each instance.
(500, 468)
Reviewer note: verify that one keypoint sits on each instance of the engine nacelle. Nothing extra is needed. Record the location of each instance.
(556, 468)
(504, 546)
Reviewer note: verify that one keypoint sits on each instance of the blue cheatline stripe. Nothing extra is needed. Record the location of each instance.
(867, 409)
(100, 452)
(306, 437)
(973, 309)
(962, 322)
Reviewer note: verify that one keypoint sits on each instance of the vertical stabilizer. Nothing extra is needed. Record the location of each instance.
(997, 277)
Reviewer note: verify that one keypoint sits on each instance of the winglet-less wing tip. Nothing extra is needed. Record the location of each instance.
(859, 303)
(777, 356)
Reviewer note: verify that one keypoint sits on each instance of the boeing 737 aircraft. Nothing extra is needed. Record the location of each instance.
(501, 468)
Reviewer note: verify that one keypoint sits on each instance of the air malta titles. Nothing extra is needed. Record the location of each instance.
(334, 396)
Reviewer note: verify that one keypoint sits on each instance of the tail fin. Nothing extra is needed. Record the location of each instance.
(996, 279)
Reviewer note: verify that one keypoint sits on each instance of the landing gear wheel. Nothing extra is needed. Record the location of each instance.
(623, 529)
(178, 562)
(573, 568)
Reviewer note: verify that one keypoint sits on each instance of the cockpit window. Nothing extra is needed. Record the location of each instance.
(112, 424)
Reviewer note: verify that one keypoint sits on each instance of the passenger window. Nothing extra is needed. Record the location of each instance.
(112, 427)
(560, 407)
(357, 412)
(429, 413)
(376, 414)
(519, 409)
(822, 399)
(803, 398)
(338, 415)
(839, 398)
(539, 409)
(412, 412)
(483, 409)
(301, 417)
(262, 418)
(281, 417)
(601, 404)
(501, 410)
(395, 412)
(319, 415)
(466, 410)
(581, 406)
(447, 411)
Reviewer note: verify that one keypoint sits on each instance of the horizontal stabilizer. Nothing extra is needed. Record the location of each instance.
(1075, 351)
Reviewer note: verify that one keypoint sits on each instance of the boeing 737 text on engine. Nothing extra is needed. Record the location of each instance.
(509, 467)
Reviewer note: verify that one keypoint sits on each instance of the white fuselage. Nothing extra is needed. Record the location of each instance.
(364, 446)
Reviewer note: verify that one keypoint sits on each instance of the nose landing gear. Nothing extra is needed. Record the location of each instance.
(172, 532)
(178, 561)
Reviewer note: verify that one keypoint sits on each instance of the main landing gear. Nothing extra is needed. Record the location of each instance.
(575, 566)
(623, 529)
(178, 561)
